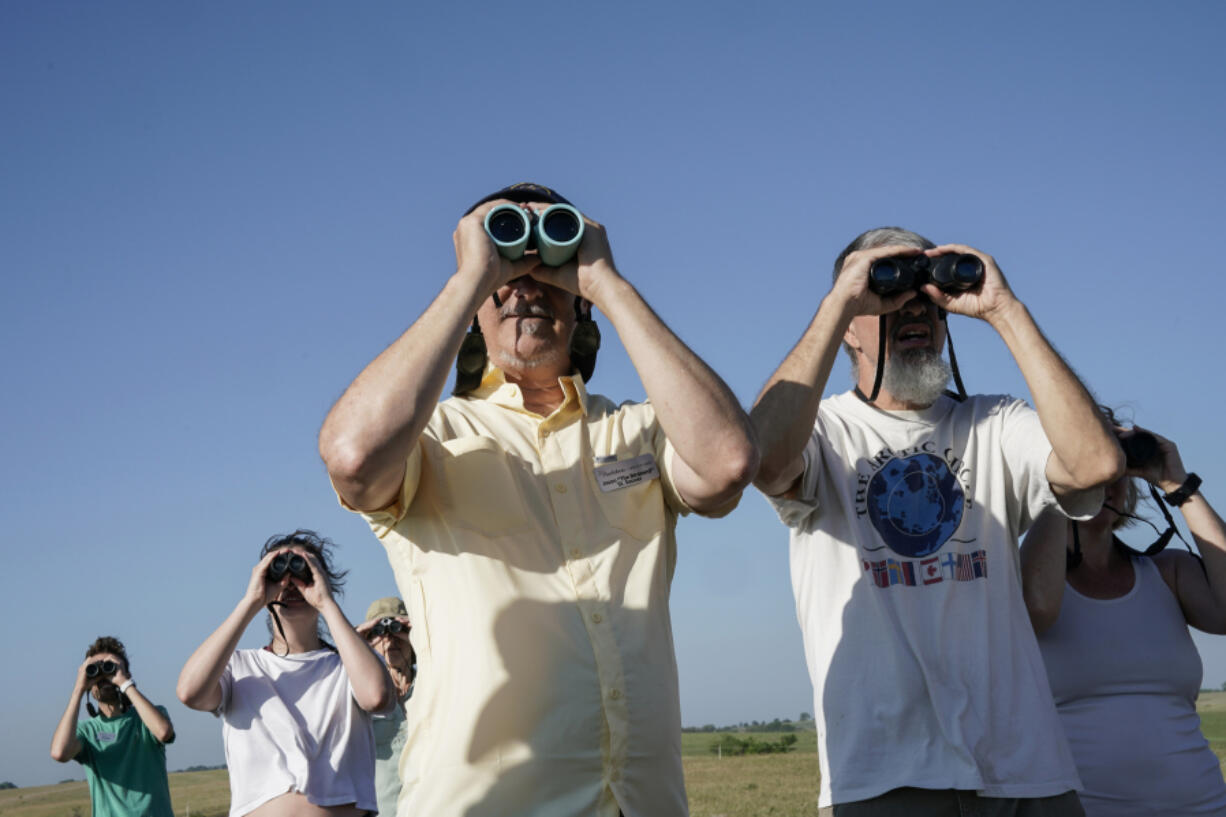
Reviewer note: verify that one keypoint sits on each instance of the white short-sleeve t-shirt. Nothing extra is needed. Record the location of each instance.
(290, 723)
(906, 575)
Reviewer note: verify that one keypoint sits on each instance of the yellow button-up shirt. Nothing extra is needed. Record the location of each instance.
(536, 571)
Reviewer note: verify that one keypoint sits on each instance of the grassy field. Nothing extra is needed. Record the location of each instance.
(751, 786)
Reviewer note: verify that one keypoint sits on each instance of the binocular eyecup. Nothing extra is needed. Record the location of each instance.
(1140, 449)
(952, 272)
(554, 233)
(388, 626)
(291, 563)
(101, 669)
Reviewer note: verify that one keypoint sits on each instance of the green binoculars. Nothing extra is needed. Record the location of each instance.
(554, 233)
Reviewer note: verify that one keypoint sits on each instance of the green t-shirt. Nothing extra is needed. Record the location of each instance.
(126, 767)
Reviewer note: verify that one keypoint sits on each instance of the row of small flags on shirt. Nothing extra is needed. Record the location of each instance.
(952, 567)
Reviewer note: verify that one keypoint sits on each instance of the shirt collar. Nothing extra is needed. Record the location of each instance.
(496, 389)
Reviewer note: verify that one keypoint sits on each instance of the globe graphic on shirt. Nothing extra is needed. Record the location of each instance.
(915, 503)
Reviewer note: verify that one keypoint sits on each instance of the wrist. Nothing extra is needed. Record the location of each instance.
(604, 288)
(1007, 314)
(1181, 494)
(126, 685)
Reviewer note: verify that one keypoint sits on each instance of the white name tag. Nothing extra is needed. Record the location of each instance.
(623, 474)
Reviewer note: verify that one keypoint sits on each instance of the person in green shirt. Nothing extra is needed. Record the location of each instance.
(123, 744)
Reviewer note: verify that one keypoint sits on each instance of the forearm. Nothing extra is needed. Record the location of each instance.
(699, 414)
(64, 743)
(157, 723)
(1044, 568)
(786, 410)
(370, 431)
(1209, 532)
(199, 684)
(1085, 449)
(372, 686)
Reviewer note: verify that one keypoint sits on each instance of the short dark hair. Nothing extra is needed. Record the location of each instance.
(318, 546)
(107, 643)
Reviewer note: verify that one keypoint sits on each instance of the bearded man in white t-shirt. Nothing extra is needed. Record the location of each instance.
(904, 514)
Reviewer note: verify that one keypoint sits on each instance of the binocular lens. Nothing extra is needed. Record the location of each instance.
(887, 277)
(1140, 449)
(387, 625)
(506, 225)
(560, 225)
(968, 270)
(101, 668)
(290, 563)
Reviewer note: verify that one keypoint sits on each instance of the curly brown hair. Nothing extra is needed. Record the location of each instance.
(108, 643)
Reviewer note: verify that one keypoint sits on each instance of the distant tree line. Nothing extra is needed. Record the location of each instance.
(805, 721)
(201, 768)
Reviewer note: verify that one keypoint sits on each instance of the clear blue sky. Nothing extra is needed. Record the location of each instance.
(213, 215)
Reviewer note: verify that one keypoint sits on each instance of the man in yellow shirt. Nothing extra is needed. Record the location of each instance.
(530, 526)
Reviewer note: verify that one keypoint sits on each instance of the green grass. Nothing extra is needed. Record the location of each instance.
(782, 785)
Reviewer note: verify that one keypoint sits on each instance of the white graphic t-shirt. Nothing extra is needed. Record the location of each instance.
(905, 569)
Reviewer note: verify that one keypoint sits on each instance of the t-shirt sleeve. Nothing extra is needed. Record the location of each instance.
(227, 687)
(1026, 450)
(85, 754)
(166, 715)
(797, 510)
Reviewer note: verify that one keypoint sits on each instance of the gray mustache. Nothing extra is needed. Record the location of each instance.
(525, 309)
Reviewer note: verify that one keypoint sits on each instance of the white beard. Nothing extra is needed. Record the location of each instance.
(917, 376)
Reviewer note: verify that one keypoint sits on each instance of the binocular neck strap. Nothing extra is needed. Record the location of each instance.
(880, 361)
(276, 618)
(953, 359)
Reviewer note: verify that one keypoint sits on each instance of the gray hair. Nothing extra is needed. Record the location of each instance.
(870, 239)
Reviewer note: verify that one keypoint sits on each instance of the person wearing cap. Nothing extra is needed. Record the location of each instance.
(904, 509)
(386, 629)
(123, 744)
(530, 525)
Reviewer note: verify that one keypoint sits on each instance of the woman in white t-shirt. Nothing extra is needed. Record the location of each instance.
(297, 713)
(1112, 625)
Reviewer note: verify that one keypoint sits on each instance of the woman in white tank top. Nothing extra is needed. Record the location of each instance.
(1113, 626)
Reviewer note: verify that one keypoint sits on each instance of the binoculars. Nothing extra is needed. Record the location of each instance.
(388, 626)
(950, 273)
(1140, 449)
(291, 563)
(554, 233)
(101, 669)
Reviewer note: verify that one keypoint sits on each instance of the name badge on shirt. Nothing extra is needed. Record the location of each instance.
(617, 475)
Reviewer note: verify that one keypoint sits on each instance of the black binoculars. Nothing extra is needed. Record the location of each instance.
(899, 273)
(388, 626)
(1140, 449)
(554, 233)
(291, 563)
(101, 669)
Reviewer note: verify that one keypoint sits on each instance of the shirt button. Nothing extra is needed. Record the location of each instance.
(597, 617)
(616, 694)
(560, 488)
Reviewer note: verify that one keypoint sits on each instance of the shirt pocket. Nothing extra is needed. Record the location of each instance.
(480, 488)
(636, 509)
